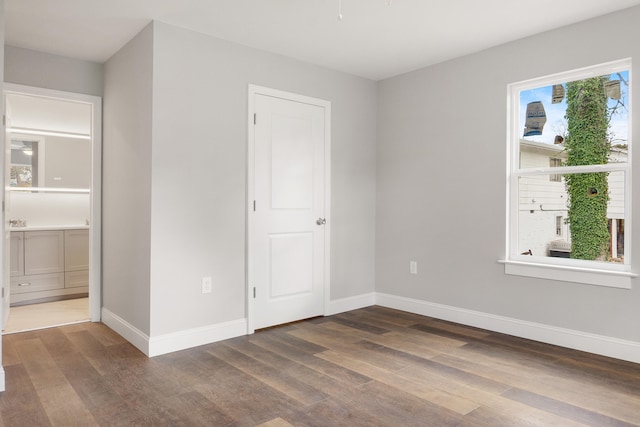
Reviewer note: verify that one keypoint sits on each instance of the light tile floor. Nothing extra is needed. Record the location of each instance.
(46, 315)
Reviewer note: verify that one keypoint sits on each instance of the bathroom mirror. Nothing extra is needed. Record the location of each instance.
(50, 163)
(24, 163)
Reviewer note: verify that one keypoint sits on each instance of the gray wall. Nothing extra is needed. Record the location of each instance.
(199, 193)
(441, 182)
(192, 188)
(32, 68)
(126, 181)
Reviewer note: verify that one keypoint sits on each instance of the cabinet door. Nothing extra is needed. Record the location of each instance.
(74, 279)
(43, 252)
(76, 250)
(16, 253)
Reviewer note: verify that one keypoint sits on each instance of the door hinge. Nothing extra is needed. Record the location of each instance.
(254, 205)
(255, 118)
(3, 292)
(4, 120)
(254, 292)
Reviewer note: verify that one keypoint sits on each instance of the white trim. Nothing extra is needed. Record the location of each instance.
(135, 336)
(592, 343)
(95, 228)
(48, 93)
(566, 170)
(578, 265)
(195, 337)
(576, 74)
(251, 155)
(327, 202)
(587, 272)
(565, 273)
(167, 343)
(95, 220)
(351, 303)
(259, 90)
(2, 381)
(583, 341)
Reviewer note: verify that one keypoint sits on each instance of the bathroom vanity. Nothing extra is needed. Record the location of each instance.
(49, 263)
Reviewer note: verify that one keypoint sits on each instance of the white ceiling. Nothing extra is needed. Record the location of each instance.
(374, 39)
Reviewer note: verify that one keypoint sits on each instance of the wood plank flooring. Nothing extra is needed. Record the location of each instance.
(369, 367)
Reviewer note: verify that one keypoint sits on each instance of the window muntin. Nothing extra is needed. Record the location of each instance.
(540, 159)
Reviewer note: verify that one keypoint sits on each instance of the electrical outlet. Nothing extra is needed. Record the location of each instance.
(413, 267)
(207, 286)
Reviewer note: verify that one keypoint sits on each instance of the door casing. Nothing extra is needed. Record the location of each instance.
(254, 90)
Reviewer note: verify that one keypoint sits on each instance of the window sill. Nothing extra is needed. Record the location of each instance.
(608, 278)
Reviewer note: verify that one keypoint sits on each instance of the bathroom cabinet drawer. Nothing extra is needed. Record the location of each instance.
(37, 282)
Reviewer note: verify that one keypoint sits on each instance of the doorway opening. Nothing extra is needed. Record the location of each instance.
(51, 245)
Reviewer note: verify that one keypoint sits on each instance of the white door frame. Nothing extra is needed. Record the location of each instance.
(95, 218)
(326, 105)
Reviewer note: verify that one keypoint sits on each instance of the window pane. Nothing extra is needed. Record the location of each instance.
(551, 120)
(559, 226)
(590, 227)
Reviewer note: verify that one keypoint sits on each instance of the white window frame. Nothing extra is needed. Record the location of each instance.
(559, 224)
(557, 177)
(563, 269)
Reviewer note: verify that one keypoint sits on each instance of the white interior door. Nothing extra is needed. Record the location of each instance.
(288, 226)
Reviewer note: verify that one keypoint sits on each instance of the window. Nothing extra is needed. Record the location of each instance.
(554, 163)
(559, 226)
(569, 176)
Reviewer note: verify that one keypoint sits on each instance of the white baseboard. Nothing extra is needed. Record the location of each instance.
(592, 343)
(163, 344)
(129, 332)
(168, 343)
(351, 303)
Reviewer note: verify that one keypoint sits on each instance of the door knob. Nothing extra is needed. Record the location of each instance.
(321, 221)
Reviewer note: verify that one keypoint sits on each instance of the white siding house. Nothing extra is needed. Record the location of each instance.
(543, 202)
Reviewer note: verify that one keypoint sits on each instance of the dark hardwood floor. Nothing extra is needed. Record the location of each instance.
(369, 367)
